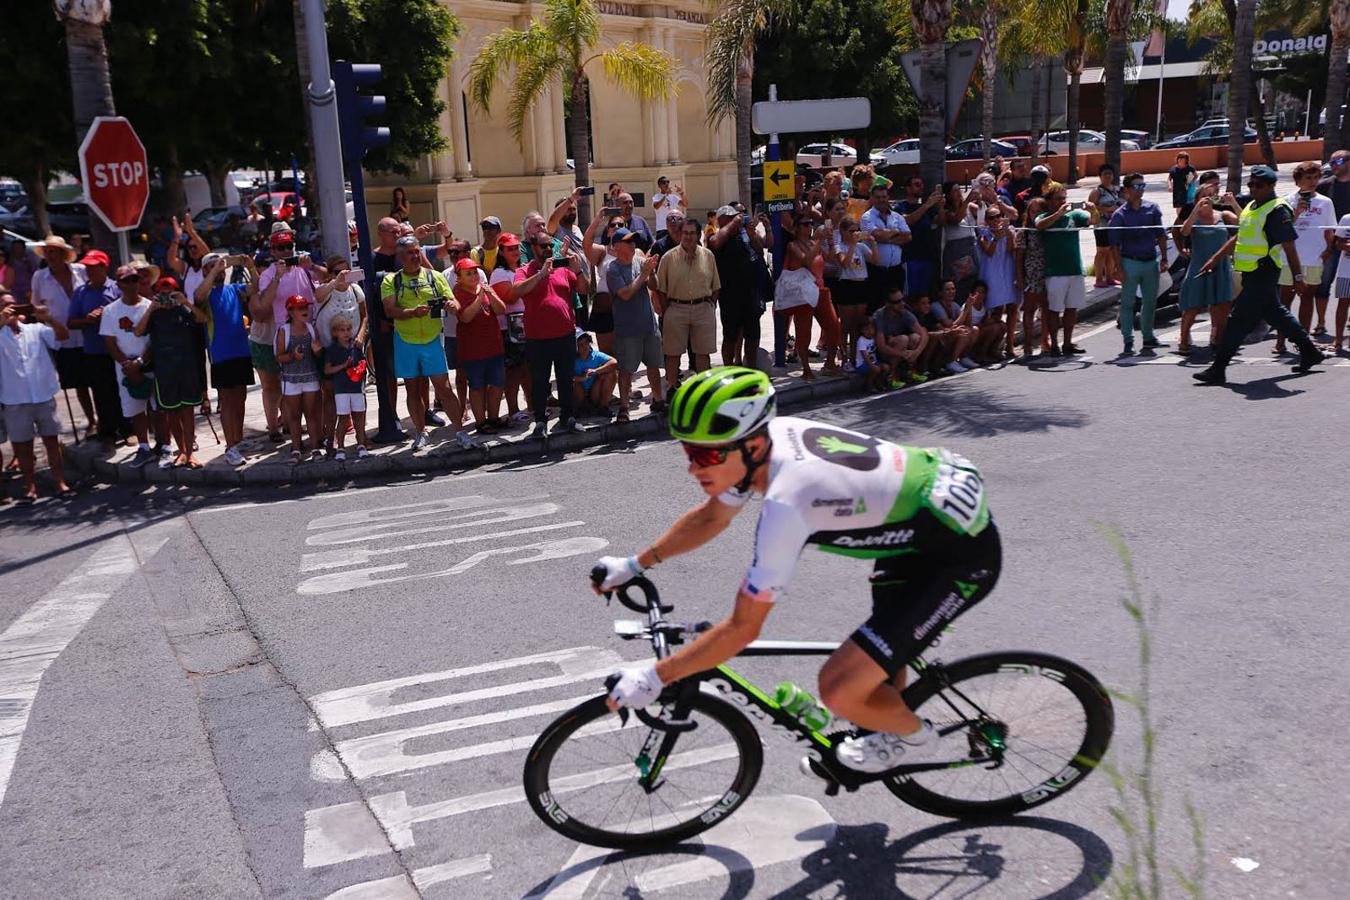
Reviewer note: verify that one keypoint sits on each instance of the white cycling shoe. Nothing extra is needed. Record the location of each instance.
(880, 751)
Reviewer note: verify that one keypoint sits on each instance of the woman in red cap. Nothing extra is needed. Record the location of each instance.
(481, 351)
(296, 347)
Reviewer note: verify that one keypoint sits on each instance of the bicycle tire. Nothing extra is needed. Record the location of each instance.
(1098, 725)
(543, 799)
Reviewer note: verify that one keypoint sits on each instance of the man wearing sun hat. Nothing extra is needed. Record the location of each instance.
(98, 373)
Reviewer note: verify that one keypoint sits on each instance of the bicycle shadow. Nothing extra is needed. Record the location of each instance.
(965, 860)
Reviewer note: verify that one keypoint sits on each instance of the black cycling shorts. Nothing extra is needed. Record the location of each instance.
(915, 597)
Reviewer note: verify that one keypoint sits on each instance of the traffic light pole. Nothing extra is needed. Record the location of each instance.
(327, 149)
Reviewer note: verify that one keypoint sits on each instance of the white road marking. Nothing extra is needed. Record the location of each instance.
(35, 639)
(398, 888)
(764, 831)
(367, 702)
(337, 559)
(471, 519)
(1244, 864)
(341, 833)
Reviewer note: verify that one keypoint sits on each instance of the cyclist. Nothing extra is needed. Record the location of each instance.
(920, 513)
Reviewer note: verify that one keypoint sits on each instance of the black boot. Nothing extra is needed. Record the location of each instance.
(1308, 356)
(1217, 371)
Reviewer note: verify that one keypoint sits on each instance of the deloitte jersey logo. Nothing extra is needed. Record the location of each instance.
(856, 451)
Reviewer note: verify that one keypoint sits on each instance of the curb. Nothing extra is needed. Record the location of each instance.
(404, 463)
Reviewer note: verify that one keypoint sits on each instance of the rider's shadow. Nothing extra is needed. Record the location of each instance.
(954, 859)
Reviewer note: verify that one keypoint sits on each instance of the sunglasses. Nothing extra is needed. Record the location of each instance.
(1137, 186)
(706, 457)
(1339, 162)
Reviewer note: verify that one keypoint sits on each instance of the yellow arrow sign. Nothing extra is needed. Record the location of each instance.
(778, 178)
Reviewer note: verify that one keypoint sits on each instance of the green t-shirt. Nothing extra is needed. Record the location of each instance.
(414, 291)
(1062, 253)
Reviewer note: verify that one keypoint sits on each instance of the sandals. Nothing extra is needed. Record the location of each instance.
(622, 415)
(68, 493)
(1184, 348)
(297, 456)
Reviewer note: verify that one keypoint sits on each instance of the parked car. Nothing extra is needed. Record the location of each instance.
(1021, 141)
(1205, 136)
(68, 217)
(20, 219)
(1088, 142)
(219, 225)
(840, 155)
(284, 204)
(1143, 138)
(12, 194)
(900, 153)
(973, 148)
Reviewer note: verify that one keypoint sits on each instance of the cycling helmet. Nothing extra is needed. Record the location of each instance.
(722, 405)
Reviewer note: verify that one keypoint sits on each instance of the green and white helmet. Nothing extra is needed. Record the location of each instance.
(722, 405)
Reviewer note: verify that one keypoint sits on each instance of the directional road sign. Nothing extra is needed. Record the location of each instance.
(778, 178)
(962, 57)
(115, 172)
(789, 116)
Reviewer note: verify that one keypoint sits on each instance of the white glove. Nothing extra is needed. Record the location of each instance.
(618, 571)
(636, 687)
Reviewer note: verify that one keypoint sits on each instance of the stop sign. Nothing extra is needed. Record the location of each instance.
(115, 172)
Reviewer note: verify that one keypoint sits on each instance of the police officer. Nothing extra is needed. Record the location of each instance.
(1264, 245)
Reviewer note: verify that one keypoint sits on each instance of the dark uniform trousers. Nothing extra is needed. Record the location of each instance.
(1260, 299)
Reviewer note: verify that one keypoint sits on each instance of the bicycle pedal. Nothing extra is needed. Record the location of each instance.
(809, 766)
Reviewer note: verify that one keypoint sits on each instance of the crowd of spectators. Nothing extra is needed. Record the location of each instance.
(900, 281)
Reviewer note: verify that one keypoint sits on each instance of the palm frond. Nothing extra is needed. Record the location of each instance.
(574, 24)
(730, 37)
(641, 70)
(509, 48)
(533, 76)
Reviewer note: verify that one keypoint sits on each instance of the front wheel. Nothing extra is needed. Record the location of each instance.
(630, 786)
(1040, 723)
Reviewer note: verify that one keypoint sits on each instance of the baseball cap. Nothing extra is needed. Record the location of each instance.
(281, 227)
(95, 258)
(166, 285)
(211, 259)
(1040, 170)
(623, 234)
(583, 333)
(493, 221)
(727, 210)
(508, 239)
(296, 300)
(281, 238)
(124, 273)
(465, 264)
(1263, 173)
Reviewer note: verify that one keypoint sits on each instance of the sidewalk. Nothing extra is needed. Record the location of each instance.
(269, 463)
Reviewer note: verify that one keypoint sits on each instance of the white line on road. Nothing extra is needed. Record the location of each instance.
(34, 640)
(397, 887)
(340, 559)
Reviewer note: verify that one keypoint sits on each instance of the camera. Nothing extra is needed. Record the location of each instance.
(560, 262)
(164, 299)
(436, 307)
(588, 191)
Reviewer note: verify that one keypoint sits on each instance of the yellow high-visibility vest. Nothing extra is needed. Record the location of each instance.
(1252, 246)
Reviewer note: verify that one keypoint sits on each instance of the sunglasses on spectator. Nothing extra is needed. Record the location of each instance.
(706, 457)
(1340, 161)
(1135, 186)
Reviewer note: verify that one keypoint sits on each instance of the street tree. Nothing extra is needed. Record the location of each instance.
(930, 20)
(36, 67)
(729, 60)
(1240, 86)
(1118, 14)
(90, 83)
(559, 50)
(1334, 136)
(1067, 19)
(1023, 39)
(863, 59)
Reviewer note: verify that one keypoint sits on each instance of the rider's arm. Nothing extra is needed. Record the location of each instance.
(690, 531)
(720, 643)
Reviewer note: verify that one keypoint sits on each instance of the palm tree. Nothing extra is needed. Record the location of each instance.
(90, 82)
(1239, 87)
(729, 59)
(990, 16)
(1118, 13)
(1023, 38)
(559, 50)
(1075, 50)
(930, 20)
(1333, 138)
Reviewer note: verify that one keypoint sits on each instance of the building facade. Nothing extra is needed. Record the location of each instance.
(486, 171)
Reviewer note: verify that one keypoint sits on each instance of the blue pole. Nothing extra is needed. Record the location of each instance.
(772, 154)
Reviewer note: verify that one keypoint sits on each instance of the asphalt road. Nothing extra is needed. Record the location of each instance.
(329, 693)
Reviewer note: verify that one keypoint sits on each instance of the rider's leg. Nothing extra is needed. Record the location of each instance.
(853, 686)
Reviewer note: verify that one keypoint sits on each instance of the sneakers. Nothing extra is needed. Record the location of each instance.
(143, 456)
(233, 456)
(1072, 350)
(568, 427)
(316, 455)
(916, 378)
(954, 368)
(1153, 344)
(436, 418)
(873, 753)
(465, 440)
(520, 416)
(362, 452)
(540, 432)
(848, 367)
(340, 455)
(968, 362)
(165, 461)
(420, 441)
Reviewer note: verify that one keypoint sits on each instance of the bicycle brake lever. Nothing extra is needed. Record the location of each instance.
(658, 724)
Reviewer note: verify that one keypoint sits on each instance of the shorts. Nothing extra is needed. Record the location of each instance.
(1312, 275)
(689, 325)
(915, 597)
(419, 360)
(739, 314)
(177, 389)
(636, 351)
(264, 358)
(601, 322)
(349, 402)
(70, 367)
(1064, 292)
(847, 292)
(232, 373)
(133, 406)
(451, 353)
(1102, 237)
(296, 388)
(483, 373)
(24, 420)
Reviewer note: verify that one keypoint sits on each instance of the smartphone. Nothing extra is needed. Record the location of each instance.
(436, 307)
(561, 261)
(291, 260)
(1077, 204)
(164, 299)
(610, 211)
(24, 309)
(236, 259)
(588, 191)
(357, 274)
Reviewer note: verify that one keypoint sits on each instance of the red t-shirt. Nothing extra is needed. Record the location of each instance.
(548, 308)
(479, 337)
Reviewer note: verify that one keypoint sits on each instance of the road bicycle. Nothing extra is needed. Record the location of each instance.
(667, 772)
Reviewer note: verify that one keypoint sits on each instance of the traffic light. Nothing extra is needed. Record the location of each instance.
(355, 107)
